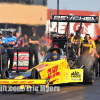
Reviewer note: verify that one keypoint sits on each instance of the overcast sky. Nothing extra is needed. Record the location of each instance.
(86, 5)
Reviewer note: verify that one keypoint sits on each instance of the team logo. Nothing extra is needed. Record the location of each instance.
(89, 42)
(75, 74)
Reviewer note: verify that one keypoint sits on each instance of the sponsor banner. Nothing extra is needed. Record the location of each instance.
(76, 75)
(22, 82)
(23, 60)
(8, 29)
(91, 28)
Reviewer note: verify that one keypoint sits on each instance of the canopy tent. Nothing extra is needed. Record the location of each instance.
(23, 14)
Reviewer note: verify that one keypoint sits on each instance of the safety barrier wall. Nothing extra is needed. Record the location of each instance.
(23, 59)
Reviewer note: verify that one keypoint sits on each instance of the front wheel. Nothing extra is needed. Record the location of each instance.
(5, 75)
(34, 75)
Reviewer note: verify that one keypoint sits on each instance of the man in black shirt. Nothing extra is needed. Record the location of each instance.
(97, 42)
(33, 42)
(10, 50)
(3, 54)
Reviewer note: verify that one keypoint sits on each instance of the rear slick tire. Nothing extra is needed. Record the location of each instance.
(88, 74)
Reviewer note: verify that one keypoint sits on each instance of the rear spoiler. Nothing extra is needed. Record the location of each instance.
(72, 18)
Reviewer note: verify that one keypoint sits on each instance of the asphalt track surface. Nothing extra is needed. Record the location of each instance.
(67, 92)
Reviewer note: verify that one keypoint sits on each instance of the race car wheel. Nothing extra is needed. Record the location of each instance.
(5, 73)
(88, 77)
(89, 72)
(34, 75)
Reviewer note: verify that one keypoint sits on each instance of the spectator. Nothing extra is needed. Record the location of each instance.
(33, 42)
(25, 40)
(43, 44)
(3, 46)
(72, 34)
(97, 52)
(19, 42)
(10, 50)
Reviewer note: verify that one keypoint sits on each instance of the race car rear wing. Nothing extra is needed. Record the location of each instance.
(72, 18)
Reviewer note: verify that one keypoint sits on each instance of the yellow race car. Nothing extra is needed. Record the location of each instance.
(57, 69)
(59, 64)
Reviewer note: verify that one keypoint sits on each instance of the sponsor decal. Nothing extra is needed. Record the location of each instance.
(52, 72)
(91, 28)
(76, 74)
(8, 29)
(89, 42)
(42, 66)
(80, 79)
(74, 79)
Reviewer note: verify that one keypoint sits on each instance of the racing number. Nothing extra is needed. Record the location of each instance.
(52, 71)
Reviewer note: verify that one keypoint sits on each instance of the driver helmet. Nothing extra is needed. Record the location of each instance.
(54, 56)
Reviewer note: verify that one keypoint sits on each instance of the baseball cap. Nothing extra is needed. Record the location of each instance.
(98, 36)
(77, 32)
(11, 31)
(72, 33)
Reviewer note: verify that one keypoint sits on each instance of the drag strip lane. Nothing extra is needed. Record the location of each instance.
(72, 92)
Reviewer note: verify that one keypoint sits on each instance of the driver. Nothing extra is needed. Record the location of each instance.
(54, 55)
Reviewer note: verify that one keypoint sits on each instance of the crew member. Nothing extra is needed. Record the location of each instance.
(86, 46)
(72, 35)
(75, 41)
(3, 54)
(10, 50)
(97, 53)
(34, 43)
(43, 45)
